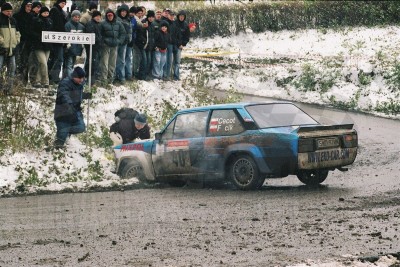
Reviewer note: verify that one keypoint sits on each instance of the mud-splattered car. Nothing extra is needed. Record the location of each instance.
(244, 143)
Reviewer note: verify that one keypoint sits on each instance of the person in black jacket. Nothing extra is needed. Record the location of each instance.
(161, 38)
(41, 49)
(93, 26)
(129, 125)
(68, 111)
(182, 38)
(23, 49)
(59, 18)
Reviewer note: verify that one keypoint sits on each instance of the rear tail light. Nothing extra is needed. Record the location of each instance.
(350, 140)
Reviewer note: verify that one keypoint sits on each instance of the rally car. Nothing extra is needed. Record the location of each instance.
(244, 143)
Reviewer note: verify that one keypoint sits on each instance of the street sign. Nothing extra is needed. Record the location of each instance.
(68, 37)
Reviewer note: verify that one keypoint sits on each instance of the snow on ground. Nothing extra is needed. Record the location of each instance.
(356, 49)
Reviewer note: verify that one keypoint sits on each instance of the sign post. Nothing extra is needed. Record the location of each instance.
(73, 38)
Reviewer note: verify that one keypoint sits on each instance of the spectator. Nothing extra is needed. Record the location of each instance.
(148, 48)
(182, 38)
(132, 50)
(9, 39)
(36, 6)
(93, 26)
(160, 43)
(171, 49)
(68, 111)
(87, 16)
(124, 62)
(73, 50)
(41, 50)
(136, 54)
(23, 18)
(129, 125)
(113, 34)
(32, 61)
(59, 19)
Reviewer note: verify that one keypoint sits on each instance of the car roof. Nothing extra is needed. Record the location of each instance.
(230, 105)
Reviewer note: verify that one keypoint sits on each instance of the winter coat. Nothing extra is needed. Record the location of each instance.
(134, 27)
(40, 24)
(126, 22)
(76, 27)
(175, 37)
(59, 18)
(23, 22)
(161, 39)
(94, 27)
(126, 126)
(150, 36)
(142, 36)
(112, 32)
(183, 27)
(68, 101)
(9, 36)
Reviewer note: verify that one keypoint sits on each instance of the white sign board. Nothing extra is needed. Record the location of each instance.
(68, 37)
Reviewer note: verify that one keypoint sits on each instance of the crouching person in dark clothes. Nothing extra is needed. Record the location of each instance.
(68, 111)
(129, 125)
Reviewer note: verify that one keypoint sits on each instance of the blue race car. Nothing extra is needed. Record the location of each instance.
(244, 143)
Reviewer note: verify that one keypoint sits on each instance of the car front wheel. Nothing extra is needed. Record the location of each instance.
(133, 169)
(312, 177)
(244, 173)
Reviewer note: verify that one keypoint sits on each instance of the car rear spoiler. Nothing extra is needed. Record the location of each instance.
(312, 128)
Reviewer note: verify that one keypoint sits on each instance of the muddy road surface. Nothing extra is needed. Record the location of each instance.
(353, 213)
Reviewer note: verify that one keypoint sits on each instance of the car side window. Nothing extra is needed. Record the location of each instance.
(168, 132)
(190, 125)
(224, 122)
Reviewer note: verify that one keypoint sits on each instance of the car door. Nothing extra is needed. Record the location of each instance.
(180, 150)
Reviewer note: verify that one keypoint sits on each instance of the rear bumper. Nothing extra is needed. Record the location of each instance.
(327, 158)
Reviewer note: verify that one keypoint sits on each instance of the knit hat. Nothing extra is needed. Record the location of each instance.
(61, 1)
(44, 9)
(92, 5)
(150, 13)
(75, 13)
(36, 4)
(141, 118)
(109, 11)
(96, 13)
(6, 6)
(78, 73)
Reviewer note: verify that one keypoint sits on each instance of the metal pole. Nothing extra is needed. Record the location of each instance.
(90, 86)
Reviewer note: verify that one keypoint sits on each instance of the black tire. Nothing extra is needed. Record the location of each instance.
(312, 177)
(244, 173)
(132, 169)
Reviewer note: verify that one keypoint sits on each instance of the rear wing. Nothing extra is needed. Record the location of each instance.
(314, 128)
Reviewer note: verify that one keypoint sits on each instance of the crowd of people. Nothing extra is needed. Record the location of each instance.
(130, 43)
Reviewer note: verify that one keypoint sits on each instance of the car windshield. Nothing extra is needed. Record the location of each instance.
(278, 115)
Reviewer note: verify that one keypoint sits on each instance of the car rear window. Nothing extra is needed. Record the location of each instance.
(278, 115)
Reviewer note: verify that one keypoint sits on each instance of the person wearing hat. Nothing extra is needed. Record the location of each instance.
(9, 39)
(160, 50)
(128, 126)
(73, 50)
(181, 37)
(41, 50)
(68, 111)
(87, 16)
(36, 6)
(93, 26)
(123, 69)
(23, 49)
(59, 18)
(113, 34)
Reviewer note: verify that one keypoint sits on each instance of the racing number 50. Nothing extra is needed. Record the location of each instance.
(178, 157)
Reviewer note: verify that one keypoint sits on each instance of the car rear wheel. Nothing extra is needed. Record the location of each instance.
(312, 177)
(244, 173)
(132, 169)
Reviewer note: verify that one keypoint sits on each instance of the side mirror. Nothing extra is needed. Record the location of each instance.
(158, 136)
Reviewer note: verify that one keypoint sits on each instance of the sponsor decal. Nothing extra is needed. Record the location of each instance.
(217, 124)
(129, 147)
(177, 144)
(330, 155)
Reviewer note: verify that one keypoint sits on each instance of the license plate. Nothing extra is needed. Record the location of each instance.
(327, 142)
